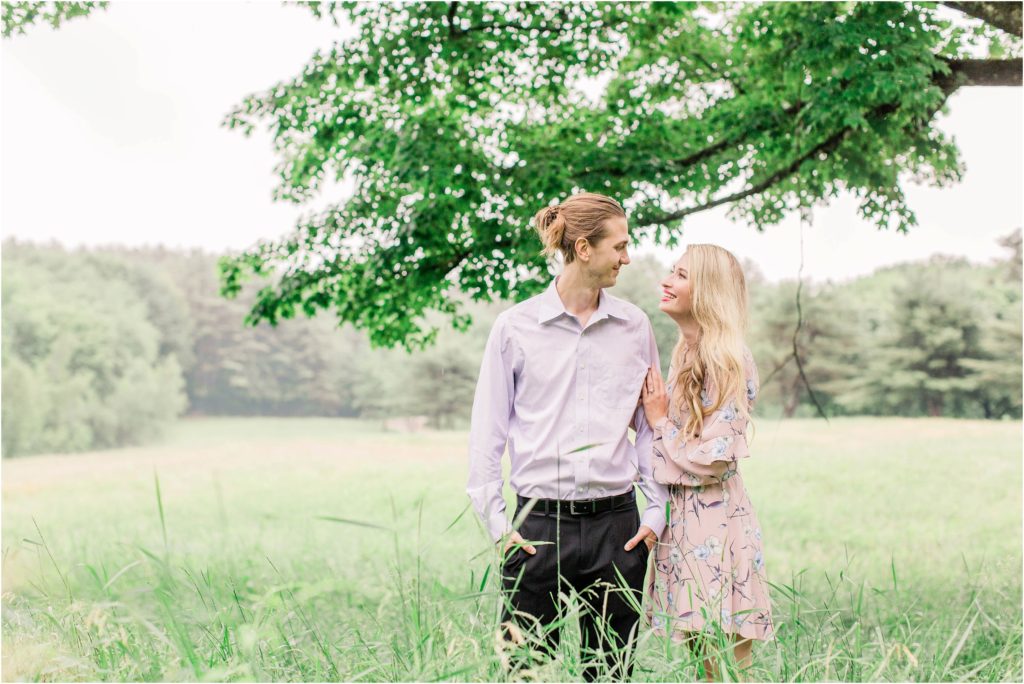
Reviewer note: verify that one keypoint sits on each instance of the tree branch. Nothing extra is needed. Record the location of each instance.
(796, 335)
(711, 150)
(825, 146)
(778, 367)
(509, 25)
(452, 6)
(1005, 16)
(981, 72)
(963, 72)
(495, 27)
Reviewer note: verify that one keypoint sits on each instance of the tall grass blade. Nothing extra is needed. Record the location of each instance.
(357, 523)
(160, 508)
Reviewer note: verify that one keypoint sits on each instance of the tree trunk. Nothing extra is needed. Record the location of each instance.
(792, 400)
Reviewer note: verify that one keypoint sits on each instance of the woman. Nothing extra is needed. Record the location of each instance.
(709, 571)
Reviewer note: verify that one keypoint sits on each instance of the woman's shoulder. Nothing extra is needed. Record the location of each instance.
(753, 380)
(748, 359)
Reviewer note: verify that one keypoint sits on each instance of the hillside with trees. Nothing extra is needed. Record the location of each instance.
(106, 347)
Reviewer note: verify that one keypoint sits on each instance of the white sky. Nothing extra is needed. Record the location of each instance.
(110, 134)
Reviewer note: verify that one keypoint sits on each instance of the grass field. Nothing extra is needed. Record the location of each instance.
(309, 549)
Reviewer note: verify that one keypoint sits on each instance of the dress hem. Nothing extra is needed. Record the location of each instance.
(679, 634)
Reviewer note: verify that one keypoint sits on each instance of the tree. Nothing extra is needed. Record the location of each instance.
(827, 342)
(17, 16)
(303, 367)
(1012, 243)
(456, 121)
(444, 380)
(918, 362)
(997, 373)
(82, 366)
(167, 308)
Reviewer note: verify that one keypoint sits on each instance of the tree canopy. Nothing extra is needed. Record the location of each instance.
(455, 122)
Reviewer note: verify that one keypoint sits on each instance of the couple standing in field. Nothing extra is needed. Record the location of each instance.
(564, 376)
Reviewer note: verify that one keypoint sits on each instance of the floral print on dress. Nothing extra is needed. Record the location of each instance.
(709, 565)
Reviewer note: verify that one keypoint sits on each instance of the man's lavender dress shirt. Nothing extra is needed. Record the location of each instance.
(548, 387)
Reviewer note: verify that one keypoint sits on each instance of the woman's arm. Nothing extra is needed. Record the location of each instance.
(710, 457)
(700, 460)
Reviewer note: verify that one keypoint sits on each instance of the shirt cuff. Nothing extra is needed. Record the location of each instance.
(654, 517)
(498, 526)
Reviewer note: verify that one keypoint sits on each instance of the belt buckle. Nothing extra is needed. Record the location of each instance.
(574, 511)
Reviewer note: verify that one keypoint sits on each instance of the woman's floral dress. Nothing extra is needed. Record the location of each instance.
(709, 565)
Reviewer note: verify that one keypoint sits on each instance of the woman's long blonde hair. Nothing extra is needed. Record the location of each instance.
(718, 302)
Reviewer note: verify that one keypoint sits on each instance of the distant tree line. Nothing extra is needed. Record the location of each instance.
(105, 347)
(934, 338)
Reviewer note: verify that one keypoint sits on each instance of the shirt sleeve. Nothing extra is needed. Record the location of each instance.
(655, 492)
(488, 433)
(709, 458)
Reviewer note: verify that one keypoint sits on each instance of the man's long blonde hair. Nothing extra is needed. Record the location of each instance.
(584, 215)
(718, 302)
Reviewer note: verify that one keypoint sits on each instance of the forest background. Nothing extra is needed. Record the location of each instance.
(107, 347)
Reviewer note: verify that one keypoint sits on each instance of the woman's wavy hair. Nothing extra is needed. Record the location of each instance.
(716, 375)
(581, 216)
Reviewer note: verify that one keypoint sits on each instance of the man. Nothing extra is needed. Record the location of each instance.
(560, 383)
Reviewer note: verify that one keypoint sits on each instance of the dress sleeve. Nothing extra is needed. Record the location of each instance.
(709, 458)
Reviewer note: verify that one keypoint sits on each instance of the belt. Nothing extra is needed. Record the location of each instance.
(577, 508)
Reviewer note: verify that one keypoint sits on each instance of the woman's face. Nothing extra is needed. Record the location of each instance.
(675, 290)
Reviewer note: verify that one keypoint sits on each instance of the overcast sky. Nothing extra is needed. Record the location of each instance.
(110, 134)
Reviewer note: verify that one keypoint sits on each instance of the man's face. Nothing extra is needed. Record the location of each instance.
(610, 253)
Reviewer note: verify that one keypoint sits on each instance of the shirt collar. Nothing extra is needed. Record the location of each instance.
(551, 306)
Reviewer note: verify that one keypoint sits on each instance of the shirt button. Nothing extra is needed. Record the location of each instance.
(581, 489)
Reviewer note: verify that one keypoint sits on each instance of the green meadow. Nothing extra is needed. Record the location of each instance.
(327, 549)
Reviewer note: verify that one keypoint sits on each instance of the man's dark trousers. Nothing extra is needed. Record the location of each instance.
(587, 552)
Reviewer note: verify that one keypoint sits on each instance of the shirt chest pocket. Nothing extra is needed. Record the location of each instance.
(618, 385)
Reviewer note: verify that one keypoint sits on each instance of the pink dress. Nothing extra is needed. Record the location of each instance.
(709, 568)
